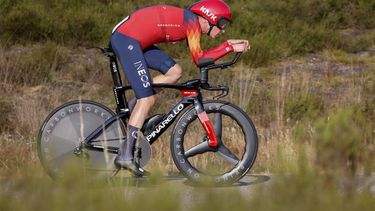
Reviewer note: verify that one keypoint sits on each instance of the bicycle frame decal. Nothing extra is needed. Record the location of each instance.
(189, 93)
(114, 67)
(169, 119)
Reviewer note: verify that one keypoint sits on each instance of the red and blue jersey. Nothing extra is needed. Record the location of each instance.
(161, 23)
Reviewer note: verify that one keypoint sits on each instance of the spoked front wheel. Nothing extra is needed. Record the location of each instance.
(63, 132)
(225, 164)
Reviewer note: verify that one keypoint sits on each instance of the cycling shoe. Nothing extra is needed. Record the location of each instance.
(132, 166)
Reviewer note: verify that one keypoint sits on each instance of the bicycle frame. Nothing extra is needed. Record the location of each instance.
(190, 91)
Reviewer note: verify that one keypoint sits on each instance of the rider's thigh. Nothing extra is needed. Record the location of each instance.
(158, 60)
(133, 63)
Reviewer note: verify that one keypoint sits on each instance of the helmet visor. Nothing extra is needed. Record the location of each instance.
(222, 23)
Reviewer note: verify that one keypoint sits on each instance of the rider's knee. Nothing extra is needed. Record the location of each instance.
(175, 72)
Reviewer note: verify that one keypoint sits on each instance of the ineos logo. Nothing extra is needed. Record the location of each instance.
(142, 74)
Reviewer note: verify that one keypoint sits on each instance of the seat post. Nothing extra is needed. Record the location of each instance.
(119, 93)
(115, 71)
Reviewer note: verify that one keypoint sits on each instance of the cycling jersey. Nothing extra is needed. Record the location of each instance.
(163, 23)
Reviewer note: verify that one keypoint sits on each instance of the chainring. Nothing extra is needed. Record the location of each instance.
(143, 152)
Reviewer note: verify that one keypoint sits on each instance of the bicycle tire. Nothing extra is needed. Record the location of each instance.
(237, 134)
(63, 130)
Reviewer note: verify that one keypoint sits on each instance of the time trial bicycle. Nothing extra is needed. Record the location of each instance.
(212, 140)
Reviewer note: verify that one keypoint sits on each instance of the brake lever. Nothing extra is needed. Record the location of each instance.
(221, 95)
(224, 91)
(237, 57)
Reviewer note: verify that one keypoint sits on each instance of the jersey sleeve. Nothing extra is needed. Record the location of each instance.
(193, 35)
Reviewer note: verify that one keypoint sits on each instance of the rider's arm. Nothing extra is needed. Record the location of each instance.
(193, 34)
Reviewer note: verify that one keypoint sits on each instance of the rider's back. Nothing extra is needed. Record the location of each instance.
(155, 24)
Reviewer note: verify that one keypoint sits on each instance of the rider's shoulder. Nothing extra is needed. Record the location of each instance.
(188, 15)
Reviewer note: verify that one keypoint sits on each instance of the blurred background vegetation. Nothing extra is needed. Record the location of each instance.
(276, 29)
(308, 83)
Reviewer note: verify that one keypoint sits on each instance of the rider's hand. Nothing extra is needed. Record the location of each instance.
(239, 45)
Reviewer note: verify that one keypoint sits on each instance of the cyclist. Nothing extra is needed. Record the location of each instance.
(133, 42)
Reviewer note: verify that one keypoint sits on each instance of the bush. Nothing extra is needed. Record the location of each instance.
(276, 29)
(21, 22)
(303, 106)
(33, 66)
(343, 141)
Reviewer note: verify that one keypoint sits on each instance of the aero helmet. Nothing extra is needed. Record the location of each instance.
(216, 12)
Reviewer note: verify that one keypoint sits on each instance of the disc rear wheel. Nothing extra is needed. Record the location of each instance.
(62, 134)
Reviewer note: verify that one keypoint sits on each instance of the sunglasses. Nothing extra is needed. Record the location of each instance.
(222, 23)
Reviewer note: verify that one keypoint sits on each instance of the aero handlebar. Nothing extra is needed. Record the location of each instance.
(225, 64)
(204, 70)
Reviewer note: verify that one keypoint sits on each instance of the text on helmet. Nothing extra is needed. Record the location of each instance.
(208, 13)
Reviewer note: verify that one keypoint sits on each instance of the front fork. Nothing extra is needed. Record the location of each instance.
(206, 123)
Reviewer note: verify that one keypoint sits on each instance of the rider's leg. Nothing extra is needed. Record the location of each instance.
(141, 111)
(135, 67)
(156, 59)
(125, 158)
(135, 123)
(172, 76)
